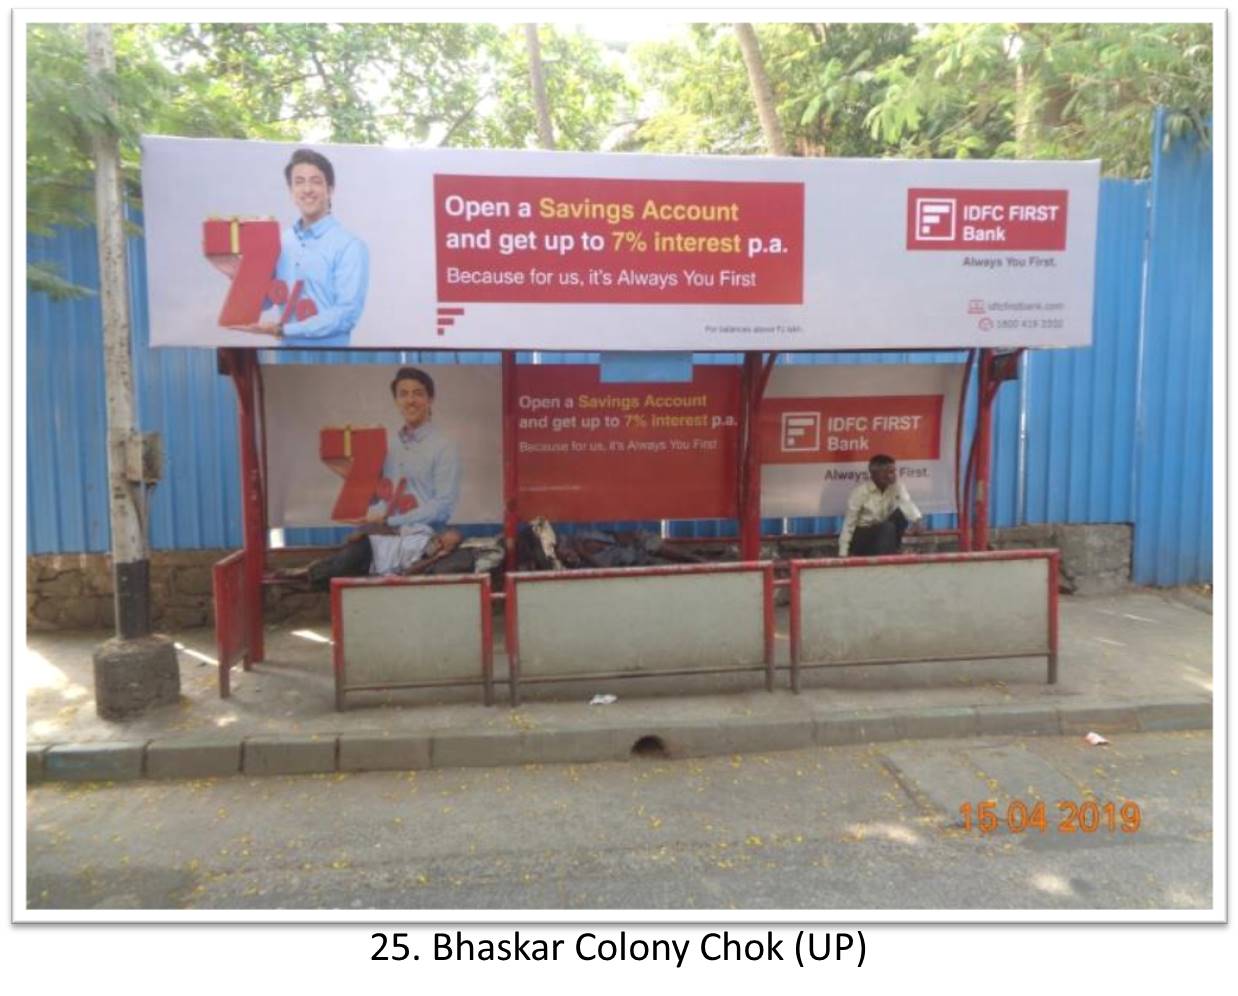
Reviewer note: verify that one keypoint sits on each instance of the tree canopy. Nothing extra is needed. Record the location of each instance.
(945, 90)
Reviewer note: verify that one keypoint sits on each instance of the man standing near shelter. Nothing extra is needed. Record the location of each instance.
(879, 513)
(323, 267)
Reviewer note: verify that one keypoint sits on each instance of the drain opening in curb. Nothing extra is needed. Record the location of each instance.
(649, 747)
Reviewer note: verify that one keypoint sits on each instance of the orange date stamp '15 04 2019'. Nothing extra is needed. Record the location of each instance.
(1070, 817)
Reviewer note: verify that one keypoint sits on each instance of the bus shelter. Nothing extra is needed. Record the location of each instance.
(643, 254)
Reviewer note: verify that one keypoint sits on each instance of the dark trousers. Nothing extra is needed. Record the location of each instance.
(881, 540)
(352, 560)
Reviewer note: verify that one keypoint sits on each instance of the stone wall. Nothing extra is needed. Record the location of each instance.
(1096, 558)
(74, 591)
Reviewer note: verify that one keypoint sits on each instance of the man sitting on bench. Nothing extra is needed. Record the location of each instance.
(879, 513)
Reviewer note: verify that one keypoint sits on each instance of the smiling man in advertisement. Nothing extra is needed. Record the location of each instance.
(410, 505)
(323, 271)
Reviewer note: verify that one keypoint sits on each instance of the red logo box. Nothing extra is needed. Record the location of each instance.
(986, 220)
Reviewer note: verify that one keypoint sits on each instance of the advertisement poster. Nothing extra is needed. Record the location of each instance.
(269, 245)
(820, 425)
(330, 431)
(340, 441)
(589, 451)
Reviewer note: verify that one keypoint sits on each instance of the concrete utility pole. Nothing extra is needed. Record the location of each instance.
(134, 670)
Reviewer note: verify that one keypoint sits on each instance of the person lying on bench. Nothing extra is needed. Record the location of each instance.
(415, 549)
(879, 513)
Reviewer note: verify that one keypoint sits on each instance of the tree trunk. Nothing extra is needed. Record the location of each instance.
(545, 131)
(1024, 104)
(762, 92)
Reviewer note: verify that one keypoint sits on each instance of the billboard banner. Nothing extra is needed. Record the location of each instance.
(423, 445)
(268, 245)
(820, 425)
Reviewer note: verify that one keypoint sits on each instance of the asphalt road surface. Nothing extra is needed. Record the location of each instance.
(844, 828)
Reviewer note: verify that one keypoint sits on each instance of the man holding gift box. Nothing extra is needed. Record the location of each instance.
(415, 498)
(323, 270)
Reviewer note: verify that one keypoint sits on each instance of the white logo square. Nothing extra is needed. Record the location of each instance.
(935, 219)
(801, 432)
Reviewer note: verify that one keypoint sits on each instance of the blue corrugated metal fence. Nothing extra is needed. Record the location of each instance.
(1117, 432)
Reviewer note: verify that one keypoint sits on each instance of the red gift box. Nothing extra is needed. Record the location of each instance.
(246, 250)
(357, 455)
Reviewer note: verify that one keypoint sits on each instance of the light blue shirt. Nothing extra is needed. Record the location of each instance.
(334, 269)
(429, 465)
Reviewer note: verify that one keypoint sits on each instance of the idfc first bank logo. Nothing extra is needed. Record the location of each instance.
(976, 220)
(935, 217)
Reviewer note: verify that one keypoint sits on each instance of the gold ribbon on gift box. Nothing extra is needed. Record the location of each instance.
(234, 228)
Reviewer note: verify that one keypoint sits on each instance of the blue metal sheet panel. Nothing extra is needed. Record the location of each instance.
(181, 395)
(1080, 402)
(66, 412)
(1173, 476)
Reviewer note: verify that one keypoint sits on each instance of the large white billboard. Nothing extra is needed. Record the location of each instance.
(256, 244)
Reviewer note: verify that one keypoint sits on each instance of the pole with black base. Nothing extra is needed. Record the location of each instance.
(135, 670)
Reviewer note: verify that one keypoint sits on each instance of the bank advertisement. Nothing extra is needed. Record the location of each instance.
(588, 451)
(352, 444)
(820, 425)
(270, 245)
(345, 440)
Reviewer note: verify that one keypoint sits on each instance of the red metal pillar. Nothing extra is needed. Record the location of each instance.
(750, 458)
(984, 444)
(511, 521)
(242, 364)
(1055, 564)
(962, 468)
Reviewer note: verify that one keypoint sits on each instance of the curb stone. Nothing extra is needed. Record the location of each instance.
(1026, 719)
(97, 762)
(1080, 718)
(480, 750)
(951, 721)
(383, 752)
(289, 755)
(193, 757)
(844, 729)
(197, 757)
(34, 763)
(1186, 714)
(741, 737)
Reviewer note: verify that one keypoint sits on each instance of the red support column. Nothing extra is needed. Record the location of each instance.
(984, 445)
(242, 364)
(750, 460)
(511, 521)
(962, 468)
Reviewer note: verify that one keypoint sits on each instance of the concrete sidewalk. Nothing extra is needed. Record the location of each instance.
(1140, 660)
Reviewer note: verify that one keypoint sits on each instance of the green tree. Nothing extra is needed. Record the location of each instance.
(587, 94)
(358, 83)
(823, 76)
(65, 108)
(443, 84)
(1046, 91)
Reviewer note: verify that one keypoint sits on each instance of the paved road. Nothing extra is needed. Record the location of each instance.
(828, 828)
